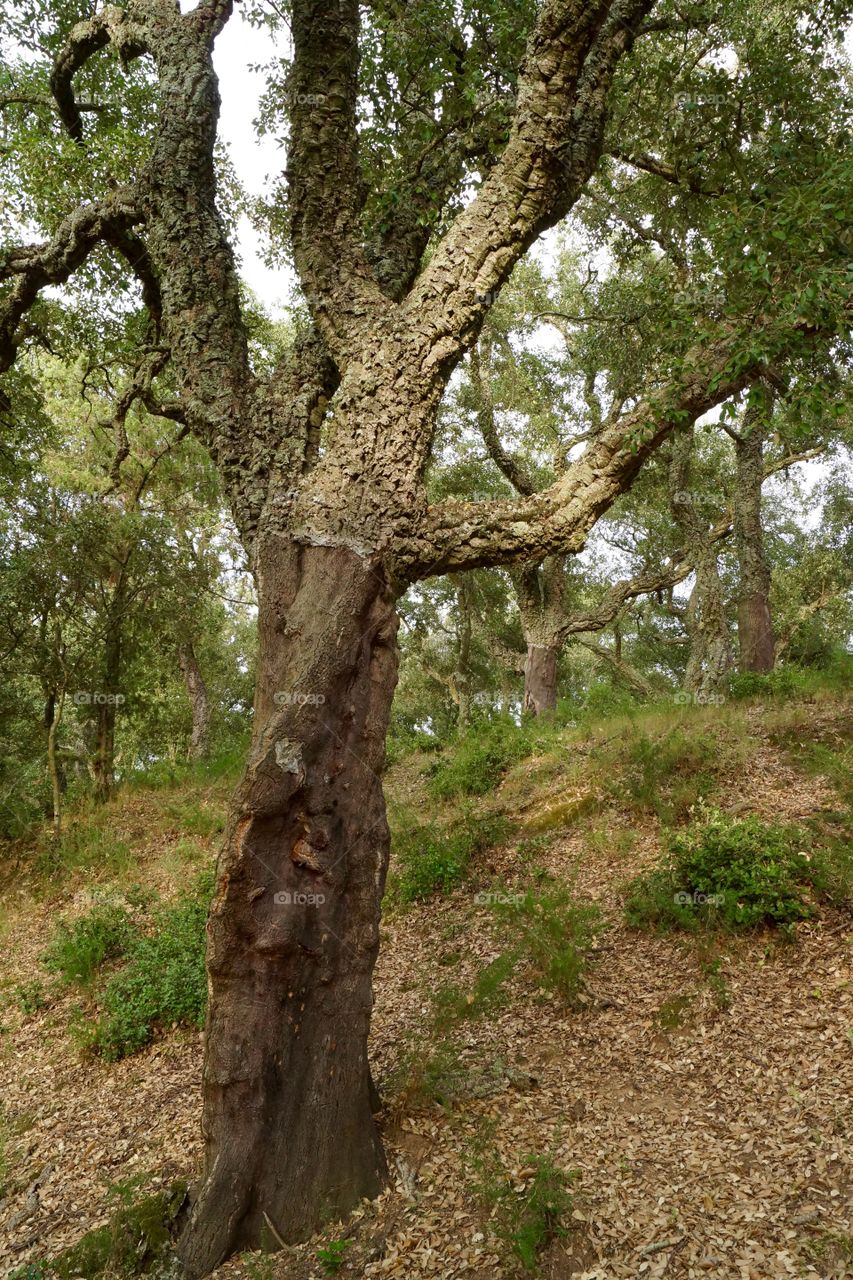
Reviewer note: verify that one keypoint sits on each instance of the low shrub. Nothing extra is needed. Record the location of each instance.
(734, 873)
(163, 981)
(667, 773)
(553, 932)
(475, 763)
(429, 858)
(80, 947)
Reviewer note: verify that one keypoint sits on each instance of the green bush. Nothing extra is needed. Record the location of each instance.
(475, 763)
(430, 858)
(783, 682)
(554, 933)
(80, 947)
(730, 872)
(163, 981)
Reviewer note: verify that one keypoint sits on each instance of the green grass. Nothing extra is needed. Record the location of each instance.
(665, 773)
(88, 845)
(163, 980)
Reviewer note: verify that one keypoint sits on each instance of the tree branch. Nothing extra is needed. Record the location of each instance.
(467, 535)
(323, 173)
(34, 266)
(511, 467)
(554, 146)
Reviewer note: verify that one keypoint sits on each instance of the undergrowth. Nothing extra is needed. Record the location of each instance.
(738, 873)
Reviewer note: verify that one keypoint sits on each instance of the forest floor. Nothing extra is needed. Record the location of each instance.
(701, 1092)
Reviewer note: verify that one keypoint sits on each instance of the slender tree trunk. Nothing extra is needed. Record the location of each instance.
(199, 701)
(710, 651)
(53, 765)
(754, 624)
(541, 591)
(540, 678)
(289, 1132)
(463, 682)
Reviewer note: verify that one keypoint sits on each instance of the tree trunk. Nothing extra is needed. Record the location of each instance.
(56, 705)
(540, 678)
(290, 1138)
(199, 701)
(710, 651)
(107, 698)
(707, 625)
(755, 628)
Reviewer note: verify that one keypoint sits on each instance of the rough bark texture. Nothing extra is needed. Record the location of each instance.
(710, 658)
(540, 678)
(199, 701)
(294, 929)
(334, 534)
(755, 628)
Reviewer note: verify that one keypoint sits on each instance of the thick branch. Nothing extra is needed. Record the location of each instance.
(35, 266)
(111, 25)
(467, 535)
(554, 146)
(323, 172)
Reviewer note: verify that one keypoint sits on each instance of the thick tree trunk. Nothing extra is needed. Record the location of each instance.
(199, 701)
(289, 1132)
(540, 678)
(755, 628)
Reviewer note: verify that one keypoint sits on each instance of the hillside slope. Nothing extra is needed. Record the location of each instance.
(698, 1088)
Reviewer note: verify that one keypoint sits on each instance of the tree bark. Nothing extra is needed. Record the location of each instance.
(199, 701)
(707, 625)
(540, 678)
(754, 624)
(57, 705)
(290, 1138)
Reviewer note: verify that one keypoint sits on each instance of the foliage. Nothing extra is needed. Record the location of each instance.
(474, 764)
(527, 1210)
(162, 981)
(331, 1256)
(80, 947)
(430, 857)
(732, 873)
(554, 933)
(666, 773)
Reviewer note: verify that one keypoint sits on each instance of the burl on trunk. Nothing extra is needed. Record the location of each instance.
(294, 926)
